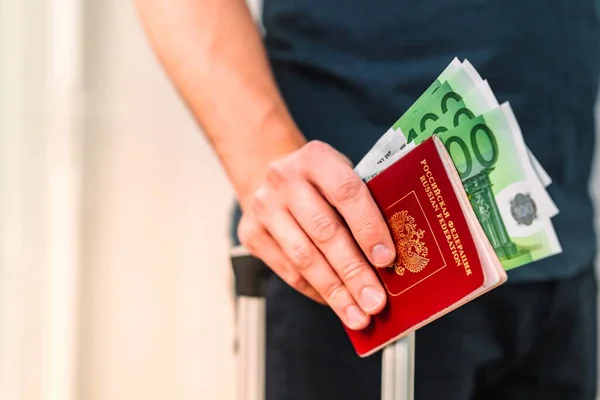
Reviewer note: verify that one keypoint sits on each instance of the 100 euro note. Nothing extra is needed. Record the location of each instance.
(458, 94)
(481, 148)
(460, 78)
(493, 165)
(393, 143)
(453, 109)
(445, 97)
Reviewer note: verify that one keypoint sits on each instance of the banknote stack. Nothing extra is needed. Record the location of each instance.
(505, 183)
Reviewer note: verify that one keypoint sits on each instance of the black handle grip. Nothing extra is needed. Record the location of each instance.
(251, 274)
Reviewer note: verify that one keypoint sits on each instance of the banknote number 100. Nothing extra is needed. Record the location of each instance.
(476, 148)
(444, 106)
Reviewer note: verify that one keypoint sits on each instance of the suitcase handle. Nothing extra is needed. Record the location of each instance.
(251, 276)
(251, 273)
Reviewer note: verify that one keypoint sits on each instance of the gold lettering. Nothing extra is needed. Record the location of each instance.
(442, 204)
(436, 199)
(454, 234)
(433, 203)
(456, 258)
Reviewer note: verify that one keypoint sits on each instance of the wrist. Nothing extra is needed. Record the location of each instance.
(248, 161)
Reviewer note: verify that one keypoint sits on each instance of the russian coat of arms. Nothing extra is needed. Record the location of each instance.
(411, 252)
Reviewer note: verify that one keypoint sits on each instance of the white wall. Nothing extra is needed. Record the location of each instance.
(39, 173)
(157, 312)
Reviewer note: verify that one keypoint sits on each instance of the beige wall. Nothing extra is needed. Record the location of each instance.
(157, 313)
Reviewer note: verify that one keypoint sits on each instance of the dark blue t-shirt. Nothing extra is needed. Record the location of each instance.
(349, 68)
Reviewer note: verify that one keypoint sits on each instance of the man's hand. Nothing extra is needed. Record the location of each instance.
(314, 222)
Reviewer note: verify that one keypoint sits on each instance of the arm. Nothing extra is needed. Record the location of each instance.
(213, 53)
(312, 229)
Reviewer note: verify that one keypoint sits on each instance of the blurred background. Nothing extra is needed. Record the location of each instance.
(114, 276)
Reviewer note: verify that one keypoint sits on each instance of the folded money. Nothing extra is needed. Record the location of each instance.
(505, 182)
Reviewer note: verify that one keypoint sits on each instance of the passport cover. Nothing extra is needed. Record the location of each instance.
(437, 263)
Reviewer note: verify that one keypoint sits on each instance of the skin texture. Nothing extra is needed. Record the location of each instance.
(318, 231)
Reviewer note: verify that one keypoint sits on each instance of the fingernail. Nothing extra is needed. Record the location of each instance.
(371, 298)
(381, 255)
(355, 316)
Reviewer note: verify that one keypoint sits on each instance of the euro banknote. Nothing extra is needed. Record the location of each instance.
(444, 97)
(487, 146)
(443, 114)
(491, 160)
(445, 104)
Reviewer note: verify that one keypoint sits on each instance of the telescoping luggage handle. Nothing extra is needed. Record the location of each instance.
(251, 274)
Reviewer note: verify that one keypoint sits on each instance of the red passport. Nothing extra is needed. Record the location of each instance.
(444, 258)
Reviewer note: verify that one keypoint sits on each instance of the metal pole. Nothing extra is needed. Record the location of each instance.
(250, 280)
(251, 347)
(397, 369)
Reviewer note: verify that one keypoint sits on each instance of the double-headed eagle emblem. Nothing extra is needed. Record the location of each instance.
(411, 252)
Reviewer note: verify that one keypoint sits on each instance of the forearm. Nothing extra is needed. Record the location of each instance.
(213, 53)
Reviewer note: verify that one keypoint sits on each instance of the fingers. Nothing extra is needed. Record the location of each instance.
(344, 189)
(260, 244)
(311, 264)
(331, 237)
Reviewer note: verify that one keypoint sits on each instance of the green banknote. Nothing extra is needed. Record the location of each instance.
(504, 181)
(455, 102)
(492, 162)
(459, 93)
(451, 70)
(462, 108)
(459, 109)
(434, 103)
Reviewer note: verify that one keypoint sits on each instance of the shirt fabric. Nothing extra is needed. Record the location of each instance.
(349, 69)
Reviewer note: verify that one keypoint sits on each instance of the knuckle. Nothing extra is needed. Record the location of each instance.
(316, 147)
(325, 228)
(301, 256)
(353, 270)
(260, 200)
(365, 226)
(297, 281)
(277, 172)
(247, 232)
(348, 189)
(333, 291)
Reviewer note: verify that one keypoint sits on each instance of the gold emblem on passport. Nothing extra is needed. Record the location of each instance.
(411, 252)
